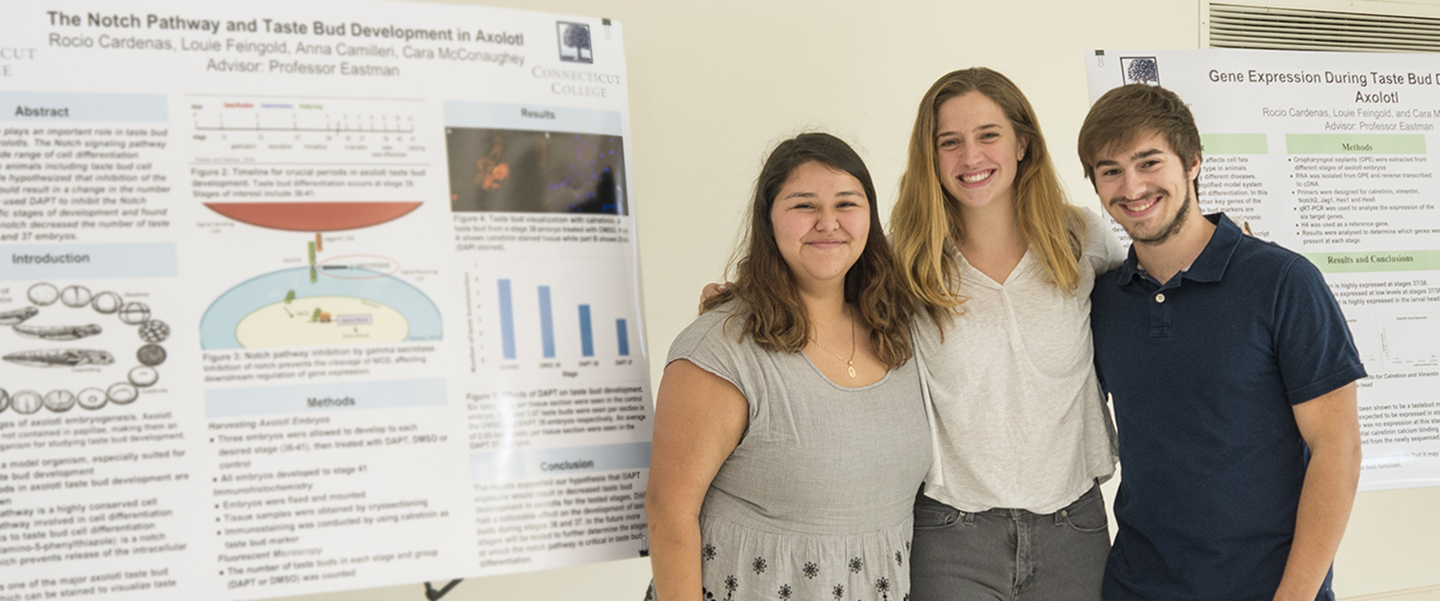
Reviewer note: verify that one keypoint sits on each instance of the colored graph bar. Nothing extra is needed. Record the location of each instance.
(622, 336)
(507, 321)
(587, 338)
(547, 324)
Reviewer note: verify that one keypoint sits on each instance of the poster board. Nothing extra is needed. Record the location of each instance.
(309, 297)
(1332, 155)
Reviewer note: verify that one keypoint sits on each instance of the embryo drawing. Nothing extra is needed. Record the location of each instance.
(48, 334)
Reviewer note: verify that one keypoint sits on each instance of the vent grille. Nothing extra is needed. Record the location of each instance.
(1239, 26)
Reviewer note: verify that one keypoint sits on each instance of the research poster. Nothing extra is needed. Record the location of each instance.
(1334, 156)
(306, 297)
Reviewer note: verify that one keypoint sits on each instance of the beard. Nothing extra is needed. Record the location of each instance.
(1166, 231)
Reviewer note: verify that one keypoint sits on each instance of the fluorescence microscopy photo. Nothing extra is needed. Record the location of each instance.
(498, 170)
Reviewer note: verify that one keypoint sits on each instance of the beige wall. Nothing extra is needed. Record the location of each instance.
(714, 85)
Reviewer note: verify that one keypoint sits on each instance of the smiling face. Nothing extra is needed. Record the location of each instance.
(1147, 188)
(821, 219)
(977, 151)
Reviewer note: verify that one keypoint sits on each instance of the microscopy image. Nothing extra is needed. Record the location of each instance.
(497, 170)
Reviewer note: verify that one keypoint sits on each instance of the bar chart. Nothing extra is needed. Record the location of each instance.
(537, 313)
(506, 314)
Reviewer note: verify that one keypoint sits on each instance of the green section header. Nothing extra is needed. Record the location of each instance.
(1387, 260)
(1355, 144)
(1234, 144)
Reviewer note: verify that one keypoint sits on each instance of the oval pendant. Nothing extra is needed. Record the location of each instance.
(852, 371)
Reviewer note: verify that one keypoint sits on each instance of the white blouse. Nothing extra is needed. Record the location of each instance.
(1017, 415)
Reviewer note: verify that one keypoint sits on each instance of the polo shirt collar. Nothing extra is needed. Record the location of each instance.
(1208, 267)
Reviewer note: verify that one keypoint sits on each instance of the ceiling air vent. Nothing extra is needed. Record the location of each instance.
(1274, 28)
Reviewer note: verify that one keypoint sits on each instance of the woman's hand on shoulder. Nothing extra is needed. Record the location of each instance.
(709, 291)
(1102, 247)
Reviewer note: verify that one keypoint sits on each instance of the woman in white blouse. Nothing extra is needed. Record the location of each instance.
(989, 247)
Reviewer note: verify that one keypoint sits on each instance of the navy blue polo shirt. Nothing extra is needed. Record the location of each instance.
(1203, 371)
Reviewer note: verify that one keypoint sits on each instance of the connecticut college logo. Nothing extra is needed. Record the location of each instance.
(1140, 69)
(574, 42)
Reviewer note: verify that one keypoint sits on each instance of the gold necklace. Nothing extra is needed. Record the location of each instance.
(849, 363)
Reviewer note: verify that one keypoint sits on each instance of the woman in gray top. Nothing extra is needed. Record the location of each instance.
(790, 435)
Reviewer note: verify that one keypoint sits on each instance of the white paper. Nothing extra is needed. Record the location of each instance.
(274, 293)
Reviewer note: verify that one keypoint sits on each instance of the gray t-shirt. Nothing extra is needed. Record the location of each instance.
(819, 491)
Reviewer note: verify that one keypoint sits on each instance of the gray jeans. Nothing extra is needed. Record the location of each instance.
(1009, 554)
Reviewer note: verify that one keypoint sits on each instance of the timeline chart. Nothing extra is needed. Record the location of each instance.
(290, 130)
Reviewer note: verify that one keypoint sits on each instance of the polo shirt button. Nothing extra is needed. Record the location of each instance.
(1160, 298)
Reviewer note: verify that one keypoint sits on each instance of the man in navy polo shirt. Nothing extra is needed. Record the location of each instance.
(1232, 374)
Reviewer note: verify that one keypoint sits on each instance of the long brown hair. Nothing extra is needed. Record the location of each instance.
(774, 314)
(926, 222)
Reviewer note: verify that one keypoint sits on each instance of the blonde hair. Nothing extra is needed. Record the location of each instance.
(926, 224)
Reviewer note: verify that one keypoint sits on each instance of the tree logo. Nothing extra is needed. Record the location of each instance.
(575, 42)
(1140, 69)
